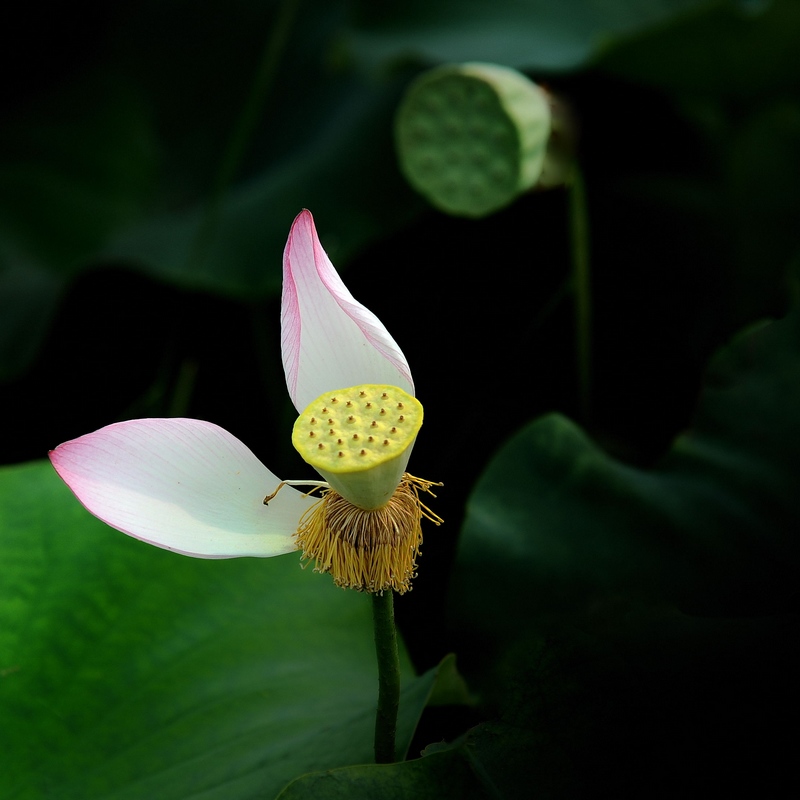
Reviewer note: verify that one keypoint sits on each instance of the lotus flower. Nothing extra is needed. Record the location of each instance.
(191, 487)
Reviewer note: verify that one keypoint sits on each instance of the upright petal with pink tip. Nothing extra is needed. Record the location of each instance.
(329, 340)
(181, 484)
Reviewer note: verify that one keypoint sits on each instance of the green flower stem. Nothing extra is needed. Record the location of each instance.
(581, 287)
(388, 676)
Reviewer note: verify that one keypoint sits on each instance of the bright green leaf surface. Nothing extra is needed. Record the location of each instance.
(129, 672)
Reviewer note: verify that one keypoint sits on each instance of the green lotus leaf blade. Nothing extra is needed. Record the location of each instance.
(79, 165)
(444, 775)
(342, 168)
(556, 523)
(447, 776)
(449, 688)
(141, 159)
(127, 671)
(532, 34)
(729, 50)
(763, 155)
(492, 760)
(440, 684)
(513, 542)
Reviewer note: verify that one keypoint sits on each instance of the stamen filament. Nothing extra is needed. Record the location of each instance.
(372, 550)
(315, 484)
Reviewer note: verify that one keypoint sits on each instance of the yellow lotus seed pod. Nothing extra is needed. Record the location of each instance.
(360, 439)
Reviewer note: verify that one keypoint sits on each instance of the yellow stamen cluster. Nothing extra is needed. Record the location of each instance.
(369, 550)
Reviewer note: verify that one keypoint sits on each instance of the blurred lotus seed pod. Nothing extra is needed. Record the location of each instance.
(473, 137)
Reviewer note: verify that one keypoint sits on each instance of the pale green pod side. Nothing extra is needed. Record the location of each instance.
(472, 137)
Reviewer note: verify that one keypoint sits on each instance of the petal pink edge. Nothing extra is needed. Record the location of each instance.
(369, 324)
(180, 484)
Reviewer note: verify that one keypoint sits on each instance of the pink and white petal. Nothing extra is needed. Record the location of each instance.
(329, 340)
(181, 484)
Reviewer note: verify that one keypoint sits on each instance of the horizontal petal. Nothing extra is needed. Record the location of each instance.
(329, 340)
(181, 484)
